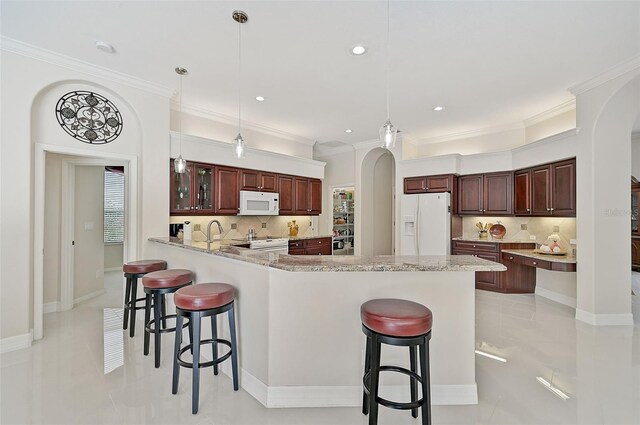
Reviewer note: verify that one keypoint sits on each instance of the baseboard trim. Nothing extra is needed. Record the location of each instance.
(88, 297)
(17, 342)
(554, 296)
(343, 396)
(51, 307)
(625, 319)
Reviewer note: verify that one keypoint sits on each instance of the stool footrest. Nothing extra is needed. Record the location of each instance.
(165, 330)
(394, 404)
(209, 363)
(132, 304)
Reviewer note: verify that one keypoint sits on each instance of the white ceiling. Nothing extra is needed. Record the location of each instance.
(491, 64)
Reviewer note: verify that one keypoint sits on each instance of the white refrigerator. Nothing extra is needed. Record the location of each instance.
(426, 224)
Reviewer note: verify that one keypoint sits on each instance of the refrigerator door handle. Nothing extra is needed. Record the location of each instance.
(418, 229)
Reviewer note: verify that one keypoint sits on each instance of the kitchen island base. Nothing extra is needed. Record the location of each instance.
(299, 333)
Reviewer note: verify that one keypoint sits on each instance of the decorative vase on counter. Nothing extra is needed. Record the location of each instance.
(483, 234)
(293, 228)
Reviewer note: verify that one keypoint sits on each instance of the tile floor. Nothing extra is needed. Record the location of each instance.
(86, 371)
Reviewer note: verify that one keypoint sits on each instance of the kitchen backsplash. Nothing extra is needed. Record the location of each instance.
(521, 228)
(273, 225)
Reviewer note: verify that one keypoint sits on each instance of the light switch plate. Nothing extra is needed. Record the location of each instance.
(88, 225)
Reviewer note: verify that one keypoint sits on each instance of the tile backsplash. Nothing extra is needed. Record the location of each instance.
(521, 228)
(274, 225)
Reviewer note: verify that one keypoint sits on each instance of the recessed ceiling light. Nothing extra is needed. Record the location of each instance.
(105, 47)
(348, 130)
(438, 108)
(260, 98)
(359, 50)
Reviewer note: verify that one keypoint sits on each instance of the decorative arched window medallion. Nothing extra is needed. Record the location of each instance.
(89, 117)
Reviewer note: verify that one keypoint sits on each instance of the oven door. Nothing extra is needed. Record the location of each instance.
(258, 203)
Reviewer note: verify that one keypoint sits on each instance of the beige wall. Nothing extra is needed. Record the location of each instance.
(382, 230)
(275, 225)
(88, 277)
(561, 122)
(339, 172)
(472, 145)
(113, 256)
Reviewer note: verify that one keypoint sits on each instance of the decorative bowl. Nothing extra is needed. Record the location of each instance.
(497, 231)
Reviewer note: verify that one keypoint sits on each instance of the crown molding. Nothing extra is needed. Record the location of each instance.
(467, 134)
(19, 47)
(551, 113)
(610, 74)
(175, 136)
(547, 140)
(325, 152)
(229, 120)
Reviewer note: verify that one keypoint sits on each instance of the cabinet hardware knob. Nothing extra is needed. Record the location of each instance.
(510, 258)
(534, 263)
(427, 187)
(474, 246)
(552, 209)
(528, 209)
(548, 209)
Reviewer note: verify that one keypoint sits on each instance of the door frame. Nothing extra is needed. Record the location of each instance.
(83, 157)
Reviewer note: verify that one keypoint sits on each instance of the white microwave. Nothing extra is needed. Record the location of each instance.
(259, 203)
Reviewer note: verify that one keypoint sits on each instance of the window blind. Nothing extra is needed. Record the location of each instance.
(113, 207)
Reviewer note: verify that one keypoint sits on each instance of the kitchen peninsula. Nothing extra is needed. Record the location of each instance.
(300, 338)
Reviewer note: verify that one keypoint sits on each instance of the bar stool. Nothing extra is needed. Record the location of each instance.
(195, 302)
(400, 323)
(156, 286)
(133, 271)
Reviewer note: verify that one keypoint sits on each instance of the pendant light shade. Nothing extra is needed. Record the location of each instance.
(239, 146)
(240, 17)
(180, 164)
(388, 133)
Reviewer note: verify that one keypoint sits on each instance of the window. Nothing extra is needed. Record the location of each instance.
(113, 205)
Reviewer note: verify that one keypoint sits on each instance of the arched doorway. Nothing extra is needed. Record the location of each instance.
(377, 194)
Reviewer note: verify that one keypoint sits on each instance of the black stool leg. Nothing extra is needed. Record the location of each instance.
(214, 346)
(132, 306)
(375, 375)
(127, 299)
(191, 335)
(234, 346)
(195, 319)
(176, 350)
(156, 326)
(164, 311)
(147, 318)
(367, 366)
(412, 382)
(426, 382)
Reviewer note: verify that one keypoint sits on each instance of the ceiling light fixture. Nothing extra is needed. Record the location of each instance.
(388, 131)
(438, 108)
(260, 98)
(348, 130)
(240, 17)
(180, 164)
(359, 50)
(105, 47)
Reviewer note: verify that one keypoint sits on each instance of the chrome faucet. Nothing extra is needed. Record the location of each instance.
(209, 240)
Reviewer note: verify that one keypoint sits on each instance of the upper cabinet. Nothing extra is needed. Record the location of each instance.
(192, 192)
(227, 201)
(547, 190)
(285, 189)
(258, 181)
(307, 199)
(430, 184)
(486, 194)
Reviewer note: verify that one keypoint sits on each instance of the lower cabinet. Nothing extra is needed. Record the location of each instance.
(518, 278)
(314, 246)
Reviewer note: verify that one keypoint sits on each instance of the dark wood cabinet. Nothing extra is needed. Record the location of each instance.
(430, 184)
(415, 184)
(518, 278)
(227, 190)
(522, 192)
(315, 196)
(307, 196)
(313, 246)
(285, 189)
(486, 194)
(258, 181)
(552, 190)
(192, 192)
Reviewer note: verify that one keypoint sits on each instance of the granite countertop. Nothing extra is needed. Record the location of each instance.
(476, 239)
(338, 263)
(569, 259)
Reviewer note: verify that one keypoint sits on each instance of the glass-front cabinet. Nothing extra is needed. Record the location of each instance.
(204, 186)
(192, 191)
(343, 224)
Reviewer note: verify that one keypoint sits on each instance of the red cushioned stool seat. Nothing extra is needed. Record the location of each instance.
(132, 271)
(195, 303)
(401, 323)
(167, 278)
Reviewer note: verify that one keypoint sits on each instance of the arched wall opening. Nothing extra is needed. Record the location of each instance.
(377, 206)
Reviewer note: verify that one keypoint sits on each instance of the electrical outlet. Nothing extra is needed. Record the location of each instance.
(264, 225)
(217, 237)
(532, 237)
(573, 241)
(234, 226)
(556, 229)
(196, 227)
(523, 227)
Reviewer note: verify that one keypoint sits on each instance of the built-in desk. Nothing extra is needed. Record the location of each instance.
(527, 257)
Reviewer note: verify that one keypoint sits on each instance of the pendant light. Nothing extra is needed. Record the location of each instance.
(180, 164)
(240, 17)
(388, 131)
